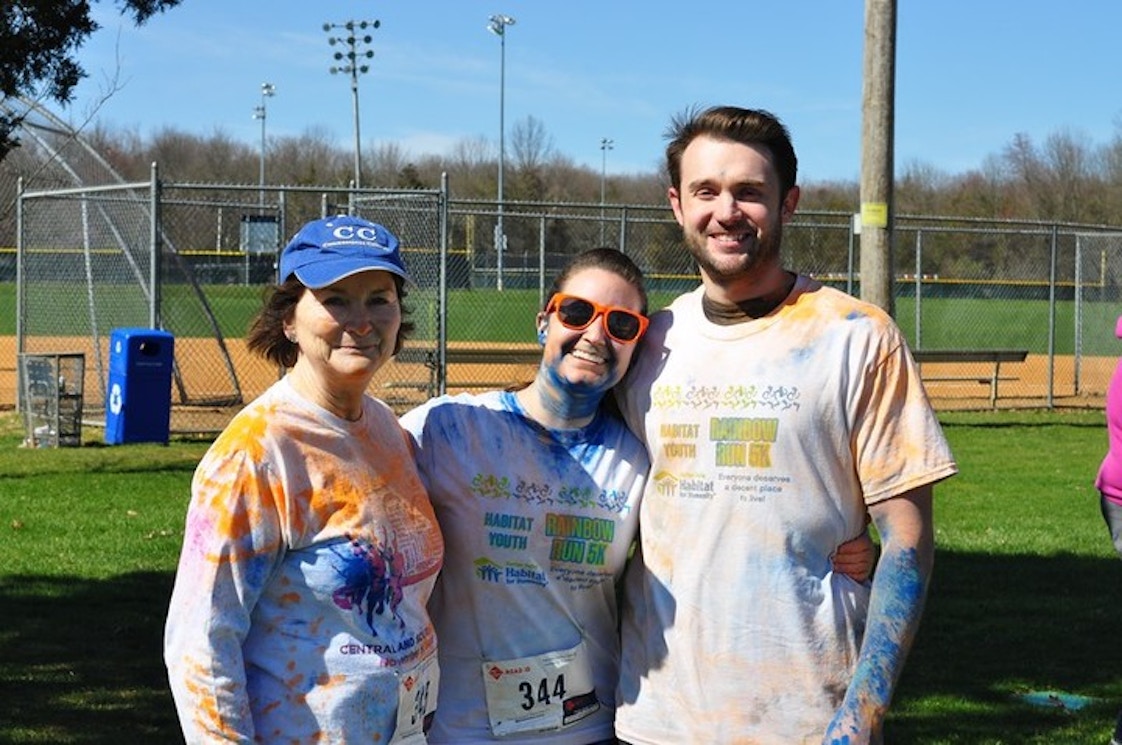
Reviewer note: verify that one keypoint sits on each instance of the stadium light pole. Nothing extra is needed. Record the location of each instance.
(268, 90)
(350, 63)
(497, 25)
(606, 144)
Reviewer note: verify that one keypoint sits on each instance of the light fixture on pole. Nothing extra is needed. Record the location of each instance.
(268, 90)
(605, 145)
(497, 25)
(349, 63)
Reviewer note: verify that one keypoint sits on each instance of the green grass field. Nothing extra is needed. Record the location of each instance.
(506, 317)
(1024, 599)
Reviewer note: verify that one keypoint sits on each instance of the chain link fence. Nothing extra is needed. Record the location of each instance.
(195, 260)
(192, 260)
(1050, 290)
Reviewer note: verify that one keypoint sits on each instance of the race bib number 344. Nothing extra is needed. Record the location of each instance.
(540, 693)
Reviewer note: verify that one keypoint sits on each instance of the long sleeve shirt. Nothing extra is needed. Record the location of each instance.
(299, 608)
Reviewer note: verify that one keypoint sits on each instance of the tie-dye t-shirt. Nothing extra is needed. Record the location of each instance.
(538, 524)
(310, 551)
(767, 441)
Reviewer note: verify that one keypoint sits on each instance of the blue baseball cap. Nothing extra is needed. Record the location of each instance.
(328, 250)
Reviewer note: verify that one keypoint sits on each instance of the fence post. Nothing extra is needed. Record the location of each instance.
(21, 302)
(919, 288)
(854, 229)
(623, 229)
(154, 249)
(1077, 314)
(442, 293)
(541, 260)
(1052, 315)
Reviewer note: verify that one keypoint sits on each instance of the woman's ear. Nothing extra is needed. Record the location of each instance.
(543, 326)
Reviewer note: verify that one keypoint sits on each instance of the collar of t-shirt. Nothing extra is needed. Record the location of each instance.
(723, 314)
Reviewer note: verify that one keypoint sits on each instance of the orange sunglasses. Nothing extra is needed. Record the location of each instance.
(623, 325)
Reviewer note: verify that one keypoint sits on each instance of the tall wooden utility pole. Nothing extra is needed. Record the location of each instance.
(878, 104)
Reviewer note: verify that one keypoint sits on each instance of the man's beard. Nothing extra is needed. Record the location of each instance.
(735, 266)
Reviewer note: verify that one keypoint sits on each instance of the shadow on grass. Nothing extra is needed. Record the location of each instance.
(81, 660)
(1041, 425)
(998, 626)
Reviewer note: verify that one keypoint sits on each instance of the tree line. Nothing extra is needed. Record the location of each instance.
(1065, 178)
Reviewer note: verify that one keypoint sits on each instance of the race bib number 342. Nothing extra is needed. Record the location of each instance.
(416, 701)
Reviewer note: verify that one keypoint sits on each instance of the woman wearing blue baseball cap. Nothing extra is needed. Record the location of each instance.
(311, 549)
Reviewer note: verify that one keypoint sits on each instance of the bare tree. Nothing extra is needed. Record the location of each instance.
(309, 159)
(385, 164)
(531, 147)
(1071, 161)
(1030, 173)
(472, 168)
(184, 156)
(1064, 180)
(530, 144)
(981, 193)
(919, 188)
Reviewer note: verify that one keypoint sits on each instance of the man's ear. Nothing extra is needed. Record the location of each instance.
(675, 203)
(790, 202)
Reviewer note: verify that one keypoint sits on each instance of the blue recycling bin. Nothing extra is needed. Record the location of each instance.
(138, 402)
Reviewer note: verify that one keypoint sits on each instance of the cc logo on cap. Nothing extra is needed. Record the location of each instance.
(350, 232)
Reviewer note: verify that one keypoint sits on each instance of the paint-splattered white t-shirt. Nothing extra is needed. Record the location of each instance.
(767, 441)
(537, 525)
(299, 612)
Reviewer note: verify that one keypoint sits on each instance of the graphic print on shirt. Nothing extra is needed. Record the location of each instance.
(740, 447)
(371, 586)
(371, 581)
(698, 397)
(578, 542)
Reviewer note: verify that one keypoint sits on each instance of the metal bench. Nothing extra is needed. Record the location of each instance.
(965, 356)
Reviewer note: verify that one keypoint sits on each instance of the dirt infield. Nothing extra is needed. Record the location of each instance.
(204, 374)
(403, 385)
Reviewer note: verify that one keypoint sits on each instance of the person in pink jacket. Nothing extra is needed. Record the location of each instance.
(1109, 480)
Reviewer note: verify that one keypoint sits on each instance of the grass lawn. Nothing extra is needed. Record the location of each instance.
(1024, 602)
(504, 317)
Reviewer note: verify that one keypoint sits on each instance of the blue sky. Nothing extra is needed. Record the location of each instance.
(970, 74)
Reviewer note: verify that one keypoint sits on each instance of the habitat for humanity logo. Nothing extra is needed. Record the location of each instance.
(510, 574)
(690, 486)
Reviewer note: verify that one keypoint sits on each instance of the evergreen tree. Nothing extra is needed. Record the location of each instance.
(38, 41)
